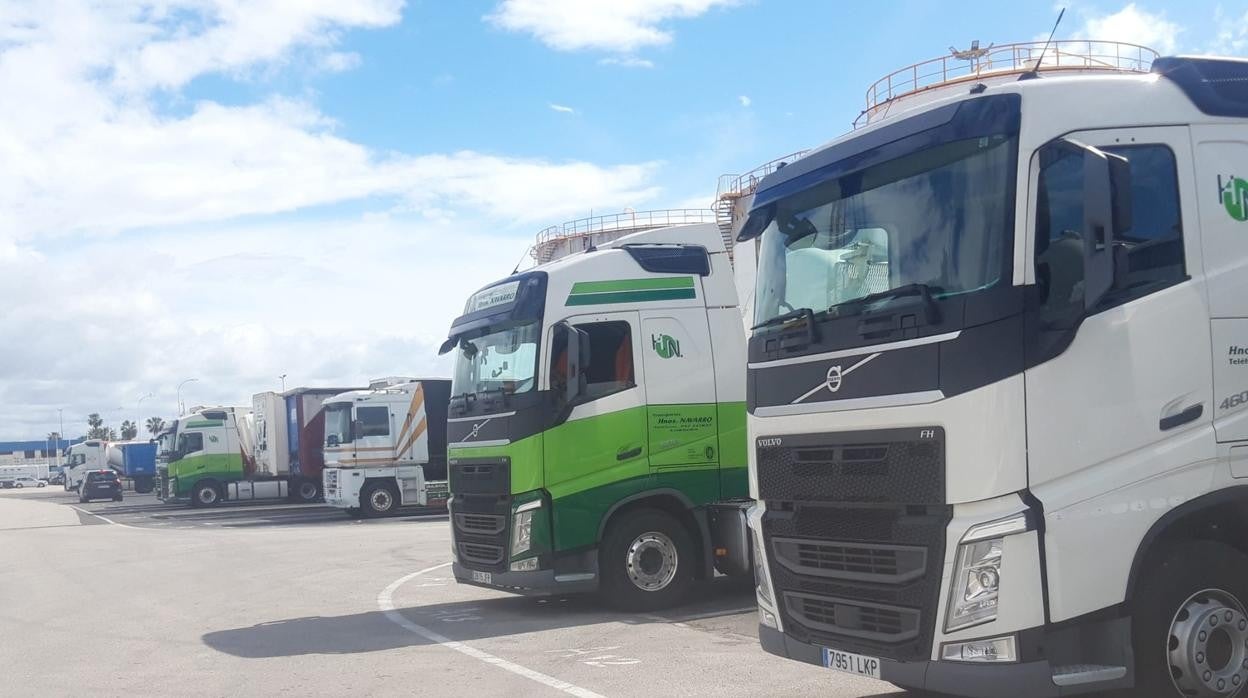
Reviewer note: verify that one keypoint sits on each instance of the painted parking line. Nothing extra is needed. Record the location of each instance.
(385, 601)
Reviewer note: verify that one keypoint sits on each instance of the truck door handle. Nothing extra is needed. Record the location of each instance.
(629, 454)
(1190, 414)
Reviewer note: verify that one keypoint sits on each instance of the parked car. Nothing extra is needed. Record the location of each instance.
(57, 479)
(27, 481)
(100, 484)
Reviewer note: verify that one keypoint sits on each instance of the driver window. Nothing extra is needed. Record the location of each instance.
(610, 368)
(192, 442)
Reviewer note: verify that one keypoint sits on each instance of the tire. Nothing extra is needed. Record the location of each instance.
(646, 562)
(1190, 623)
(83, 500)
(143, 486)
(378, 499)
(306, 491)
(206, 493)
(19, 485)
(117, 498)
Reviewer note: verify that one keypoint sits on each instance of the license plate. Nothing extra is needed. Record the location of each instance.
(851, 663)
(482, 577)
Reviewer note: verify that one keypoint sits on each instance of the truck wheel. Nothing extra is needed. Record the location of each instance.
(378, 499)
(306, 491)
(205, 494)
(143, 486)
(646, 561)
(1190, 623)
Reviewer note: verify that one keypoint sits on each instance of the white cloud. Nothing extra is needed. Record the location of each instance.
(1232, 36)
(1133, 25)
(612, 25)
(139, 245)
(744, 100)
(626, 62)
(562, 109)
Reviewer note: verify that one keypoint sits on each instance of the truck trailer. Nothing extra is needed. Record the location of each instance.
(997, 396)
(290, 434)
(596, 423)
(385, 447)
(135, 460)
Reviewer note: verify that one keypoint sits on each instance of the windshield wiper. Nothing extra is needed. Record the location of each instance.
(791, 315)
(923, 291)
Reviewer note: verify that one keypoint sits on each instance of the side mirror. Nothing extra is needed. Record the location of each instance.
(357, 429)
(576, 358)
(1106, 214)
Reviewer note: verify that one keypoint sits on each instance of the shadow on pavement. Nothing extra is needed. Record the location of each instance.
(470, 620)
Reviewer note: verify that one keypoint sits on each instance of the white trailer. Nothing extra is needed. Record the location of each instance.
(385, 447)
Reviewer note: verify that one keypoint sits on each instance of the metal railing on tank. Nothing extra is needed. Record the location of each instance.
(999, 60)
(601, 228)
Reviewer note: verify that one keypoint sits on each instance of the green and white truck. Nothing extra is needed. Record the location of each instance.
(596, 426)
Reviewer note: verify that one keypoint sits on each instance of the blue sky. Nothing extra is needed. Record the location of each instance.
(232, 191)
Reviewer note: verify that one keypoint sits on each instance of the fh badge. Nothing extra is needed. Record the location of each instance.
(665, 346)
(1233, 195)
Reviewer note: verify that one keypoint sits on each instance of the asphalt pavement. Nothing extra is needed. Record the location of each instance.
(139, 598)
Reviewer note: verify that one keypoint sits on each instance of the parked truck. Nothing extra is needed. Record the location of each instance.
(135, 460)
(385, 447)
(91, 454)
(997, 389)
(596, 429)
(214, 459)
(290, 435)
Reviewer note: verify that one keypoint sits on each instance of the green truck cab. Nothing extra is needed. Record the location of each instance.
(596, 431)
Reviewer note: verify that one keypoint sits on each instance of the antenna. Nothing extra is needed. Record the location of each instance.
(1035, 72)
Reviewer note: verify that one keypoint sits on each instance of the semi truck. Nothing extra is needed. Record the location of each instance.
(596, 423)
(997, 395)
(290, 433)
(135, 460)
(91, 454)
(385, 447)
(214, 459)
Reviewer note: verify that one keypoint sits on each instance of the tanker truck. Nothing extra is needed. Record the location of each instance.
(385, 447)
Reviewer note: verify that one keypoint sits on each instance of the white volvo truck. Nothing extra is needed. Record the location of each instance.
(997, 388)
(385, 447)
(82, 458)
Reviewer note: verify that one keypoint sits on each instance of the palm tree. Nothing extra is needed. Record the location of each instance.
(129, 430)
(155, 425)
(97, 429)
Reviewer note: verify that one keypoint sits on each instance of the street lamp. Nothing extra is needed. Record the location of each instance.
(181, 407)
(138, 408)
(60, 416)
(283, 377)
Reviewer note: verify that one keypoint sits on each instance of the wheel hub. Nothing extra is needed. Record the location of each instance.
(652, 561)
(1208, 645)
(307, 490)
(382, 500)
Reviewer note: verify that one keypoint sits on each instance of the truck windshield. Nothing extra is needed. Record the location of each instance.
(338, 423)
(500, 360)
(934, 219)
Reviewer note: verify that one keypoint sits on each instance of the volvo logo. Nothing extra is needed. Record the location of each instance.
(769, 443)
(834, 379)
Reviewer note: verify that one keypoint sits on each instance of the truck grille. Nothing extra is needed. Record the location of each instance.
(856, 525)
(488, 524)
(886, 564)
(481, 553)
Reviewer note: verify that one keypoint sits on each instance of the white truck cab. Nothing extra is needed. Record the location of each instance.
(385, 447)
(997, 388)
(82, 457)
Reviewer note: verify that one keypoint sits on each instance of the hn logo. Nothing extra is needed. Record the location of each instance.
(665, 346)
(1234, 196)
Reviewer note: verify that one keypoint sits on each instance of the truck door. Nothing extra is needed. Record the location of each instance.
(1120, 394)
(681, 414)
(602, 443)
(1222, 184)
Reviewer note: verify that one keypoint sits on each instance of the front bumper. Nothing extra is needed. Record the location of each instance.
(1018, 680)
(536, 583)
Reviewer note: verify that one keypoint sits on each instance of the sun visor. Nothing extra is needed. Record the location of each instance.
(516, 299)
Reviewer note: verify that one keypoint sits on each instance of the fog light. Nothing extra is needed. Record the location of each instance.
(528, 564)
(997, 649)
(767, 618)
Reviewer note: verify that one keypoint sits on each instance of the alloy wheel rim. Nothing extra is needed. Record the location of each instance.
(1207, 646)
(381, 500)
(652, 561)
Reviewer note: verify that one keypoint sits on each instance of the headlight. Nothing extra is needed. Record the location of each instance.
(976, 583)
(522, 527)
(760, 574)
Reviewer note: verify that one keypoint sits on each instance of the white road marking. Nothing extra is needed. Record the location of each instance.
(103, 518)
(385, 601)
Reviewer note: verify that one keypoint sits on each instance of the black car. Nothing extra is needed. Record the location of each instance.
(100, 484)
